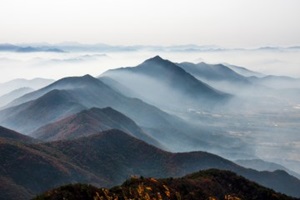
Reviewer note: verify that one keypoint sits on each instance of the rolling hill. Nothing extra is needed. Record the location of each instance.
(31, 115)
(209, 72)
(74, 94)
(36, 83)
(107, 159)
(7, 98)
(90, 122)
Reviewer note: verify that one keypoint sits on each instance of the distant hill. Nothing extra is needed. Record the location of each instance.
(262, 165)
(28, 49)
(90, 122)
(6, 98)
(29, 116)
(156, 78)
(202, 185)
(278, 82)
(244, 71)
(218, 72)
(107, 159)
(15, 84)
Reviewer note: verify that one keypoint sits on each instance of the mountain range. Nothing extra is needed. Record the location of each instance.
(15, 84)
(71, 95)
(100, 47)
(106, 159)
(89, 122)
(163, 83)
(158, 119)
(28, 49)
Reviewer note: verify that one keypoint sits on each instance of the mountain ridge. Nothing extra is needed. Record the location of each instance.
(112, 156)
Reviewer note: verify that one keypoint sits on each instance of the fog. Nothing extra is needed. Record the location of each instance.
(57, 65)
(261, 118)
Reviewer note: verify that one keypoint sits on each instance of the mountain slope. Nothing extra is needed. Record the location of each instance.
(216, 72)
(107, 159)
(31, 115)
(89, 122)
(156, 78)
(116, 150)
(278, 82)
(11, 135)
(203, 185)
(87, 92)
(244, 72)
(26, 171)
(6, 98)
(36, 83)
(262, 165)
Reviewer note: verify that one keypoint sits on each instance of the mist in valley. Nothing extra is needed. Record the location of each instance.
(259, 119)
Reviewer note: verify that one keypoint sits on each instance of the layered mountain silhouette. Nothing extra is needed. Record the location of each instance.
(15, 84)
(28, 49)
(278, 82)
(209, 72)
(74, 94)
(7, 98)
(162, 82)
(202, 185)
(102, 130)
(262, 165)
(244, 71)
(33, 114)
(89, 122)
(107, 159)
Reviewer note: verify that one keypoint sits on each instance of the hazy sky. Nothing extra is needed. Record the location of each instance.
(230, 23)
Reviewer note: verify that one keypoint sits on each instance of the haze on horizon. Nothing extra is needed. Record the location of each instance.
(228, 24)
(231, 23)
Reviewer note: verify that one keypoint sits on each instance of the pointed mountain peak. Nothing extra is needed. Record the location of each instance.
(155, 59)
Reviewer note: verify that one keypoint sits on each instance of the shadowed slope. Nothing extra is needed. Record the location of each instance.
(89, 122)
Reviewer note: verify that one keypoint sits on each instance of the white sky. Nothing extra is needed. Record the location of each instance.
(229, 23)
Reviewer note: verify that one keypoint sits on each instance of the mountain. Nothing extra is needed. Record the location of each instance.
(221, 77)
(90, 122)
(75, 94)
(156, 78)
(15, 84)
(8, 47)
(11, 135)
(244, 71)
(278, 82)
(202, 185)
(37, 49)
(115, 85)
(31, 115)
(26, 170)
(262, 165)
(27, 49)
(6, 98)
(209, 72)
(107, 159)
(116, 150)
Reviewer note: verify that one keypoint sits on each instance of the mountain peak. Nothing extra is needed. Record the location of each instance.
(156, 58)
(88, 76)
